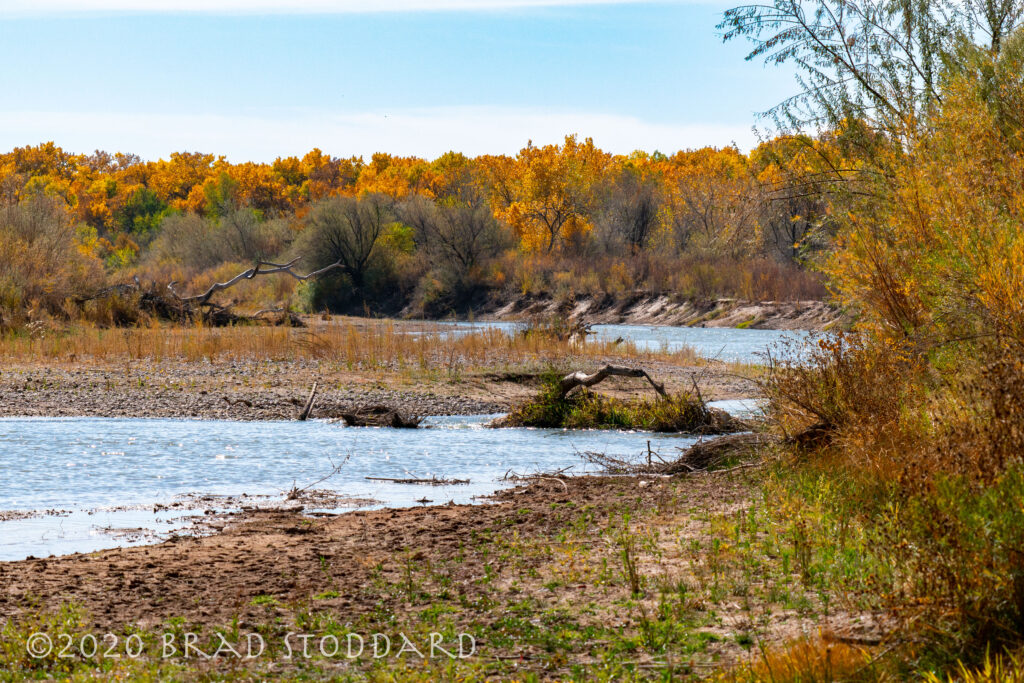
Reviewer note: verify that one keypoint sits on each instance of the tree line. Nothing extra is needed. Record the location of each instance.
(554, 220)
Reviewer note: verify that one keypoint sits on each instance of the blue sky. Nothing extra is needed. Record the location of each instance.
(414, 77)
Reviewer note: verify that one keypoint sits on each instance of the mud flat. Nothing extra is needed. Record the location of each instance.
(561, 576)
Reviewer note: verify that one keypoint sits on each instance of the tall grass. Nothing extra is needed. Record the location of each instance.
(350, 342)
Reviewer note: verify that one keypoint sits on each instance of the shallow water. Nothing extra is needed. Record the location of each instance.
(720, 343)
(102, 477)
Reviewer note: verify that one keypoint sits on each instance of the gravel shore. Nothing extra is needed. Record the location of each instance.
(277, 390)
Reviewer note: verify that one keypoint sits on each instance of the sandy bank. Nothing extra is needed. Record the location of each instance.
(645, 309)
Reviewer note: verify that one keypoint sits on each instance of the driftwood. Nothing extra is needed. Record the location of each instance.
(702, 457)
(714, 452)
(258, 269)
(380, 416)
(433, 481)
(582, 379)
(304, 415)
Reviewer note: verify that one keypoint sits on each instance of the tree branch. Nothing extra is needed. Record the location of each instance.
(582, 379)
(258, 269)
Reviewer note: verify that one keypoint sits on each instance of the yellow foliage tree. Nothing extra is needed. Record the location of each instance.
(546, 194)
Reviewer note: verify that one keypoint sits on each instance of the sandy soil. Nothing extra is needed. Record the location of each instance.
(548, 550)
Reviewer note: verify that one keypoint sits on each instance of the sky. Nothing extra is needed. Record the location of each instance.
(258, 79)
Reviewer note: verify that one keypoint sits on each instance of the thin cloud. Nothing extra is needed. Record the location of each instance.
(37, 7)
(425, 133)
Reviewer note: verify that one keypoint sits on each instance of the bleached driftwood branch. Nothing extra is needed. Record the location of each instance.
(261, 268)
(582, 379)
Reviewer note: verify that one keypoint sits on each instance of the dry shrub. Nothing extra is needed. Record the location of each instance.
(959, 534)
(554, 326)
(931, 473)
(41, 262)
(981, 420)
(844, 387)
(115, 310)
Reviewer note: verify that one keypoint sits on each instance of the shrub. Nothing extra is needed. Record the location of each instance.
(586, 409)
(42, 263)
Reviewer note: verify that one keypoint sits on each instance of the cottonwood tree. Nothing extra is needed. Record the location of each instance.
(547, 193)
(715, 206)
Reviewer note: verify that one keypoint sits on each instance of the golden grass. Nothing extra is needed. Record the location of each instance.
(351, 342)
(807, 659)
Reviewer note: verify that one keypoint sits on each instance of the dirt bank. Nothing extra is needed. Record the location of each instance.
(645, 309)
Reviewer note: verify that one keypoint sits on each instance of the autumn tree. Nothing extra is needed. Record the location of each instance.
(631, 208)
(715, 204)
(547, 194)
(457, 237)
(142, 213)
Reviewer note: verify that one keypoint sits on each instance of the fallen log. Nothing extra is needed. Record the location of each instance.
(380, 416)
(582, 379)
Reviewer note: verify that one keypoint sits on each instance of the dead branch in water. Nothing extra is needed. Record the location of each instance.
(699, 458)
(515, 476)
(582, 379)
(297, 492)
(433, 481)
(304, 415)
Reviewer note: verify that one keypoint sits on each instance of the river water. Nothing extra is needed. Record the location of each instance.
(719, 343)
(82, 484)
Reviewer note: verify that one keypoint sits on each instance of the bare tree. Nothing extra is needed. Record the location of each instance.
(629, 210)
(347, 230)
(457, 237)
